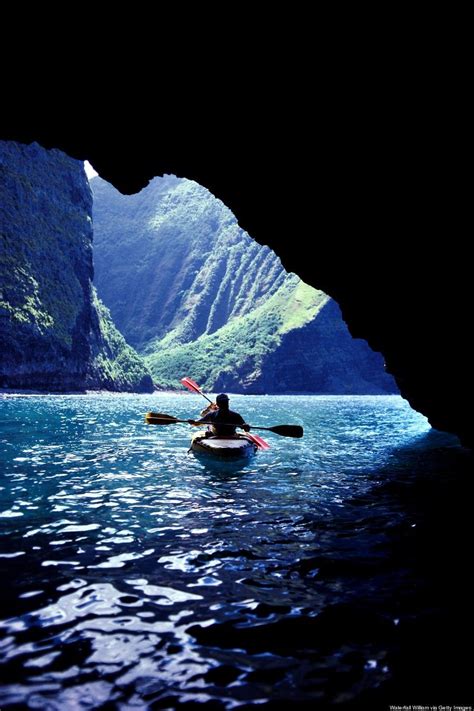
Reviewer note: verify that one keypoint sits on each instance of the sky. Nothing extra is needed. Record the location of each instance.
(90, 172)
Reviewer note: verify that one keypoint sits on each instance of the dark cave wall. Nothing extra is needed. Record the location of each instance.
(381, 211)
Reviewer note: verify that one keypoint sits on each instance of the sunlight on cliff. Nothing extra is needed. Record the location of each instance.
(90, 172)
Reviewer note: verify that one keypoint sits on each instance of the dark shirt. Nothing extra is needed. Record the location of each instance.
(224, 422)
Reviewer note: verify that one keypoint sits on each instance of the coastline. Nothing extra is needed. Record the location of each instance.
(15, 392)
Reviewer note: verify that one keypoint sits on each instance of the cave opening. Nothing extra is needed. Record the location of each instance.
(333, 566)
(381, 222)
(185, 284)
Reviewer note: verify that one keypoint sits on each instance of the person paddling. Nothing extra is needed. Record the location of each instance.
(223, 420)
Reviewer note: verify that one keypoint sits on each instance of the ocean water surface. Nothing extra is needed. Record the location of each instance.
(136, 575)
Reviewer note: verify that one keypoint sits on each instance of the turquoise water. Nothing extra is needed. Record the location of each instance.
(142, 576)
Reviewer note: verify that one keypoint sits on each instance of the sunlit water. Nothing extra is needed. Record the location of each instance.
(136, 575)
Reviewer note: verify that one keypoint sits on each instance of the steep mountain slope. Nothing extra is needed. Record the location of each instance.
(296, 342)
(54, 333)
(197, 295)
(173, 259)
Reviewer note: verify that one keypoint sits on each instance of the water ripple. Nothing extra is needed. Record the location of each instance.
(141, 576)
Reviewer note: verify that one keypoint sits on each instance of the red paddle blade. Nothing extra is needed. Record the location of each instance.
(261, 444)
(191, 385)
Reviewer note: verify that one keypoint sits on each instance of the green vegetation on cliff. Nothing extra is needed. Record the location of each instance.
(118, 365)
(52, 335)
(173, 260)
(235, 355)
(196, 295)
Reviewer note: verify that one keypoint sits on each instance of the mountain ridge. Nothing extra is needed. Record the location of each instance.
(195, 294)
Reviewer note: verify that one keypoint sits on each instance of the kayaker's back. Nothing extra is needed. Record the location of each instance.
(223, 422)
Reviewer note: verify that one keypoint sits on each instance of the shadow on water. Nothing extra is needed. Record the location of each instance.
(410, 540)
(390, 590)
(432, 487)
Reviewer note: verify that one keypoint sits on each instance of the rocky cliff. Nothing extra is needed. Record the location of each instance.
(191, 290)
(54, 333)
(172, 261)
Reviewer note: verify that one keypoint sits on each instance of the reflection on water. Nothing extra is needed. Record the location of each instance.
(140, 575)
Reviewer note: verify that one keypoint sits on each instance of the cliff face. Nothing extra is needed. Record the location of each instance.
(53, 333)
(322, 357)
(172, 261)
(195, 293)
(296, 342)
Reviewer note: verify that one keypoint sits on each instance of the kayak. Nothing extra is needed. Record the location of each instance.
(223, 448)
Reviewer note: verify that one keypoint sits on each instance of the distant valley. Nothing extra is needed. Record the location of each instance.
(194, 294)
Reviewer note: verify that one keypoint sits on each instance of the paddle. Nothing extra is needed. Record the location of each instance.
(158, 418)
(258, 441)
(194, 387)
(283, 430)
